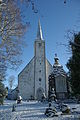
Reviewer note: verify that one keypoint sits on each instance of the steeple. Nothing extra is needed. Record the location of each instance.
(39, 32)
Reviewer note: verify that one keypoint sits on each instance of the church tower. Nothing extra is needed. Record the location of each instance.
(33, 79)
(39, 65)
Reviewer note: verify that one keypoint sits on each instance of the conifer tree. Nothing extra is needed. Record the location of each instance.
(73, 64)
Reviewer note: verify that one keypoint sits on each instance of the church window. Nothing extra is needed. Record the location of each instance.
(40, 71)
(39, 44)
(40, 79)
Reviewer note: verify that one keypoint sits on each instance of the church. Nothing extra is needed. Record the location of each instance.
(33, 79)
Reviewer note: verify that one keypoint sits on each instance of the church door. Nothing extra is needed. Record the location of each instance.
(39, 93)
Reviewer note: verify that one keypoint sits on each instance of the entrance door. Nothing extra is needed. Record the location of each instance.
(39, 93)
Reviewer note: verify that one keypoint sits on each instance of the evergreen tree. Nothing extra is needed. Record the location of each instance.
(73, 64)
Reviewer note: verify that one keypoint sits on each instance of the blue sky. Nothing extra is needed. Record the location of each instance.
(56, 19)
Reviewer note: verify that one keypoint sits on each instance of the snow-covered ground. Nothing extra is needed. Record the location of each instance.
(34, 110)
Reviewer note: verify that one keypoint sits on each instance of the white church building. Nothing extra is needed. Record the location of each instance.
(33, 79)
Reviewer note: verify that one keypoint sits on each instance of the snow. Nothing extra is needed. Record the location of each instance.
(34, 110)
(58, 70)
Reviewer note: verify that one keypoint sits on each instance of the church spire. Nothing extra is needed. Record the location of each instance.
(39, 32)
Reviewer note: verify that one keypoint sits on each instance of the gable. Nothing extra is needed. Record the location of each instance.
(26, 68)
(26, 81)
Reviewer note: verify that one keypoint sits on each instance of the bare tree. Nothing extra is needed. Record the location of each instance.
(11, 31)
(11, 81)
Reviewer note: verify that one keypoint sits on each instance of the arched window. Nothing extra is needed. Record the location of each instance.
(40, 79)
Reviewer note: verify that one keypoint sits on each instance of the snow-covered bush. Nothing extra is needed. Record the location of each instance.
(19, 99)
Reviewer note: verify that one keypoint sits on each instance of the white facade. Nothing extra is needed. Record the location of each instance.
(39, 68)
(33, 79)
(26, 81)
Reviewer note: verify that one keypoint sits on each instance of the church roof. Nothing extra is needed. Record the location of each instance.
(39, 32)
(57, 68)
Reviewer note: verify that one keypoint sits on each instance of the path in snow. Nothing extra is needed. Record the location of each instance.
(33, 111)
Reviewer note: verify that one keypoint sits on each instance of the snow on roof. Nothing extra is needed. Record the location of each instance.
(58, 70)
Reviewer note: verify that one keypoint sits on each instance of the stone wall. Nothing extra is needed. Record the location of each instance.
(26, 81)
(49, 70)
